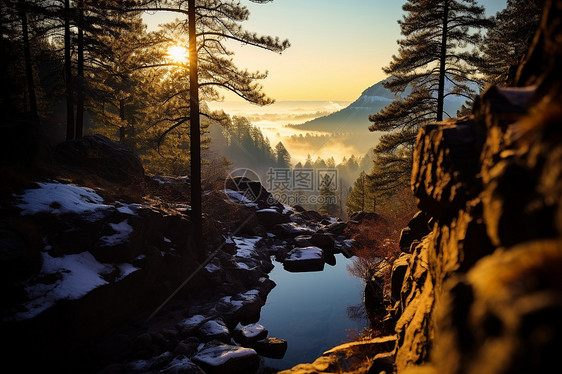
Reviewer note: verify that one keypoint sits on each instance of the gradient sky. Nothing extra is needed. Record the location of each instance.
(338, 48)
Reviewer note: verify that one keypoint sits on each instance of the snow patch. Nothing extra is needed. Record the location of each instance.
(220, 354)
(305, 253)
(79, 274)
(191, 322)
(122, 232)
(57, 198)
(251, 331)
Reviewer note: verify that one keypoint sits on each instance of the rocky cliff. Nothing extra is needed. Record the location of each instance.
(482, 291)
(477, 287)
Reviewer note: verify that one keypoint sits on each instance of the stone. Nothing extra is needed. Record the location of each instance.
(218, 358)
(324, 240)
(303, 240)
(214, 330)
(181, 365)
(270, 347)
(249, 333)
(304, 260)
(399, 268)
(336, 228)
(446, 164)
(271, 217)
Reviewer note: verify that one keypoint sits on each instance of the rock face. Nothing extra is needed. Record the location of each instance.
(479, 290)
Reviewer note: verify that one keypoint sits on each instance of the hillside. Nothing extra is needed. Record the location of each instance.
(355, 117)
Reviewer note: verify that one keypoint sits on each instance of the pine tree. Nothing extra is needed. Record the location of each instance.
(210, 23)
(328, 202)
(505, 44)
(433, 54)
(282, 156)
(361, 197)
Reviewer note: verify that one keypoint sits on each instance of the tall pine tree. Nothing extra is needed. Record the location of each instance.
(505, 44)
(434, 61)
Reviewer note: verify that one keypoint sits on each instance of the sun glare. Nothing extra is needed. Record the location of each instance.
(178, 54)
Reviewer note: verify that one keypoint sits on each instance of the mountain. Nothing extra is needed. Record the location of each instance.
(355, 117)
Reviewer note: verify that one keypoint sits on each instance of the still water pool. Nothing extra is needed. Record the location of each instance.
(310, 311)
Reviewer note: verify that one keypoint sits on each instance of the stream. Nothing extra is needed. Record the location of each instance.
(310, 311)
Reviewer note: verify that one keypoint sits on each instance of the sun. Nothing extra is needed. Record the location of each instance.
(178, 54)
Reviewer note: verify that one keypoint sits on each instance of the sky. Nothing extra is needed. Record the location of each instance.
(338, 48)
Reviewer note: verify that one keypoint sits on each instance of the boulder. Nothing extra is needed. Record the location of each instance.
(270, 217)
(399, 268)
(99, 156)
(336, 228)
(249, 333)
(445, 168)
(214, 329)
(271, 347)
(324, 240)
(217, 358)
(304, 259)
(291, 230)
(303, 240)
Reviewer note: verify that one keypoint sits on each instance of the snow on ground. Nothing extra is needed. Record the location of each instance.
(77, 275)
(191, 322)
(58, 198)
(122, 232)
(252, 330)
(212, 267)
(245, 246)
(214, 327)
(126, 209)
(125, 269)
(80, 275)
(267, 210)
(220, 354)
(238, 198)
(305, 253)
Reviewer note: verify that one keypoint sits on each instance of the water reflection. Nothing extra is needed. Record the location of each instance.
(310, 311)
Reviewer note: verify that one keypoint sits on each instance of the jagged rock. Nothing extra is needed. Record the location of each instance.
(419, 224)
(347, 358)
(503, 316)
(399, 268)
(101, 157)
(406, 239)
(382, 363)
(304, 259)
(215, 358)
(446, 163)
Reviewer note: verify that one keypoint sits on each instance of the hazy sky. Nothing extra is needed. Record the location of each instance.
(338, 48)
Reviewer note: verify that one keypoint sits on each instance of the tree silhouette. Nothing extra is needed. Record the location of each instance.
(433, 54)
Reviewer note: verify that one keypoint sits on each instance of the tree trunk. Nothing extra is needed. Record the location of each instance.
(442, 62)
(68, 74)
(80, 86)
(28, 66)
(122, 118)
(195, 132)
